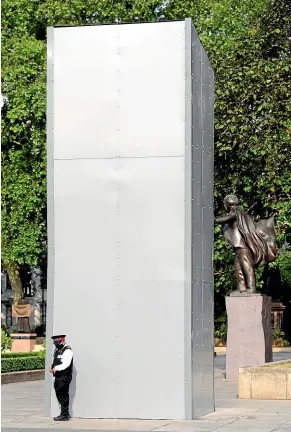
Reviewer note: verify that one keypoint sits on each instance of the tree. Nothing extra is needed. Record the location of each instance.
(23, 141)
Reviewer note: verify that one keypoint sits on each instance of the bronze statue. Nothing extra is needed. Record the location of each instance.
(254, 242)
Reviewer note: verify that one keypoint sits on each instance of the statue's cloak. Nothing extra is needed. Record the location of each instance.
(259, 237)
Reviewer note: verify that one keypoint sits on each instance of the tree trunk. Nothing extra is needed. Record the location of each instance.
(12, 269)
(15, 281)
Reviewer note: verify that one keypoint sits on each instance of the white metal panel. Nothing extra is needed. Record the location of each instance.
(119, 225)
(85, 92)
(111, 83)
(151, 219)
(151, 83)
(84, 291)
(150, 301)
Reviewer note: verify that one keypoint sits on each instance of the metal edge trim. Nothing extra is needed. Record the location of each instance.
(50, 214)
(188, 223)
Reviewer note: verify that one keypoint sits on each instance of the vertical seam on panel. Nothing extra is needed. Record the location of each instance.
(212, 227)
(118, 247)
(201, 211)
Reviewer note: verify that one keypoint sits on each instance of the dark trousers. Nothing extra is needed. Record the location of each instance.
(244, 270)
(61, 386)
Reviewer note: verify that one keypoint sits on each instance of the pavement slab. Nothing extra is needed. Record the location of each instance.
(23, 403)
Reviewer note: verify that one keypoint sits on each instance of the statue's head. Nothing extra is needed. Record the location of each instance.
(230, 202)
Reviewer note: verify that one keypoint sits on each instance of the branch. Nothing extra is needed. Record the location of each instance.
(252, 206)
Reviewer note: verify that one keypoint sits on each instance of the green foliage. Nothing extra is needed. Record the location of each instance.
(276, 278)
(284, 264)
(221, 332)
(42, 351)
(278, 334)
(220, 325)
(23, 140)
(19, 354)
(22, 364)
(23, 150)
(279, 339)
(6, 341)
(4, 329)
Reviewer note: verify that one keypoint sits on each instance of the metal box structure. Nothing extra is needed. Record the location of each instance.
(130, 218)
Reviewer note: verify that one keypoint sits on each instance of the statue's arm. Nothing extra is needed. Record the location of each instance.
(226, 219)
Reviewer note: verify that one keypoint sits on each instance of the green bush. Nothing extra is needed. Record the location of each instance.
(22, 363)
(3, 327)
(221, 332)
(279, 339)
(42, 351)
(284, 264)
(220, 327)
(19, 354)
(278, 334)
(6, 341)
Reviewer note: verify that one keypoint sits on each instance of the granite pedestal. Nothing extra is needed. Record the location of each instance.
(249, 334)
(23, 342)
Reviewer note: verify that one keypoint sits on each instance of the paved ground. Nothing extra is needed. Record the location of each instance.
(22, 408)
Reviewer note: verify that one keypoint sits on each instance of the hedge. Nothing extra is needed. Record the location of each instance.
(22, 363)
(19, 354)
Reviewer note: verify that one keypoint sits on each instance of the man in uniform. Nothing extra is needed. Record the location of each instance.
(61, 369)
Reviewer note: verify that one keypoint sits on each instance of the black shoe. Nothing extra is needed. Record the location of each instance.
(62, 418)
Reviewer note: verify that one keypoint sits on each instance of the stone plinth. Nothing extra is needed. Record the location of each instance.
(249, 334)
(22, 376)
(271, 381)
(23, 342)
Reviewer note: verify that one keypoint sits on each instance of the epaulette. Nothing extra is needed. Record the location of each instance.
(67, 347)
